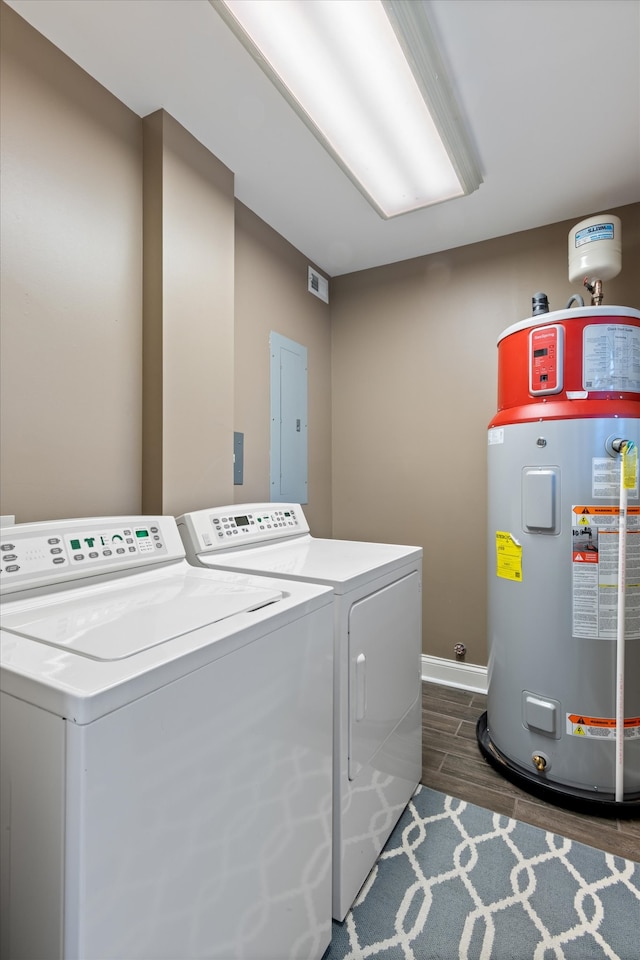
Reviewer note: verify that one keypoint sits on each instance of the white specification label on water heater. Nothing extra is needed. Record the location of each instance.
(611, 357)
(605, 478)
(595, 542)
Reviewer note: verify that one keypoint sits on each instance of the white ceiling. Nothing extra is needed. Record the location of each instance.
(550, 90)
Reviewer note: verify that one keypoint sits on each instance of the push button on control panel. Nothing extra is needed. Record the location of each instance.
(24, 556)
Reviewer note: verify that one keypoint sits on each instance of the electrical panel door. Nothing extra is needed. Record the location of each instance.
(288, 453)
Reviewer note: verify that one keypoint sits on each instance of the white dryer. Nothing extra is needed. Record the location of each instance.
(377, 662)
(166, 751)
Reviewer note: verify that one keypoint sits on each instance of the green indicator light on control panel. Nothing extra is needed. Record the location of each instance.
(142, 533)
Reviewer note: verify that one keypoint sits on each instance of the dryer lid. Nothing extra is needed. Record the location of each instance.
(341, 564)
(118, 622)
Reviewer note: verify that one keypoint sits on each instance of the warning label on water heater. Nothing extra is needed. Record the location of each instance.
(508, 556)
(601, 728)
(595, 545)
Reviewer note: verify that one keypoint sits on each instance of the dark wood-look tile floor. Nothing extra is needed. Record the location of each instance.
(452, 763)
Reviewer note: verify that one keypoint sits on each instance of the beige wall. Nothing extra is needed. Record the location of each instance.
(271, 294)
(89, 191)
(71, 287)
(188, 322)
(414, 365)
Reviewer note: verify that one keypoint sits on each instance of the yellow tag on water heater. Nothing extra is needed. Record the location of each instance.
(508, 557)
(629, 465)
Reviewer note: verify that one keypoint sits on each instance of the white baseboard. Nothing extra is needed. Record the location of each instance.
(454, 673)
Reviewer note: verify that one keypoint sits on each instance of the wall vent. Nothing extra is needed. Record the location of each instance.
(318, 285)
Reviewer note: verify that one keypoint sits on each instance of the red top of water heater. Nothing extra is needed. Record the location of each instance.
(573, 346)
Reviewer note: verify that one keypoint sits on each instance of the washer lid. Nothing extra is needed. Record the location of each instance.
(119, 621)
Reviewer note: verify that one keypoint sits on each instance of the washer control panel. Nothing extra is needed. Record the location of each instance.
(240, 524)
(38, 553)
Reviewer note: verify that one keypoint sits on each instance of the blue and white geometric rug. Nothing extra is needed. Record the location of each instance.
(458, 882)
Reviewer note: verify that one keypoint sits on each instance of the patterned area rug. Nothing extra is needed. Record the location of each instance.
(457, 882)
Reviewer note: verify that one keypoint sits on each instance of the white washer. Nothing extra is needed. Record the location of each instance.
(166, 751)
(377, 662)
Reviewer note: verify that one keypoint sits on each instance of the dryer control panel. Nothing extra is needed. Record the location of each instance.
(59, 550)
(221, 528)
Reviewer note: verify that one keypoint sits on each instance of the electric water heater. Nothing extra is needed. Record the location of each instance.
(563, 699)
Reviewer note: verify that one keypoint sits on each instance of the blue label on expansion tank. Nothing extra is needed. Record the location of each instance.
(597, 231)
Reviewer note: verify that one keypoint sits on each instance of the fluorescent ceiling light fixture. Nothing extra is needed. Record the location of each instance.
(367, 79)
